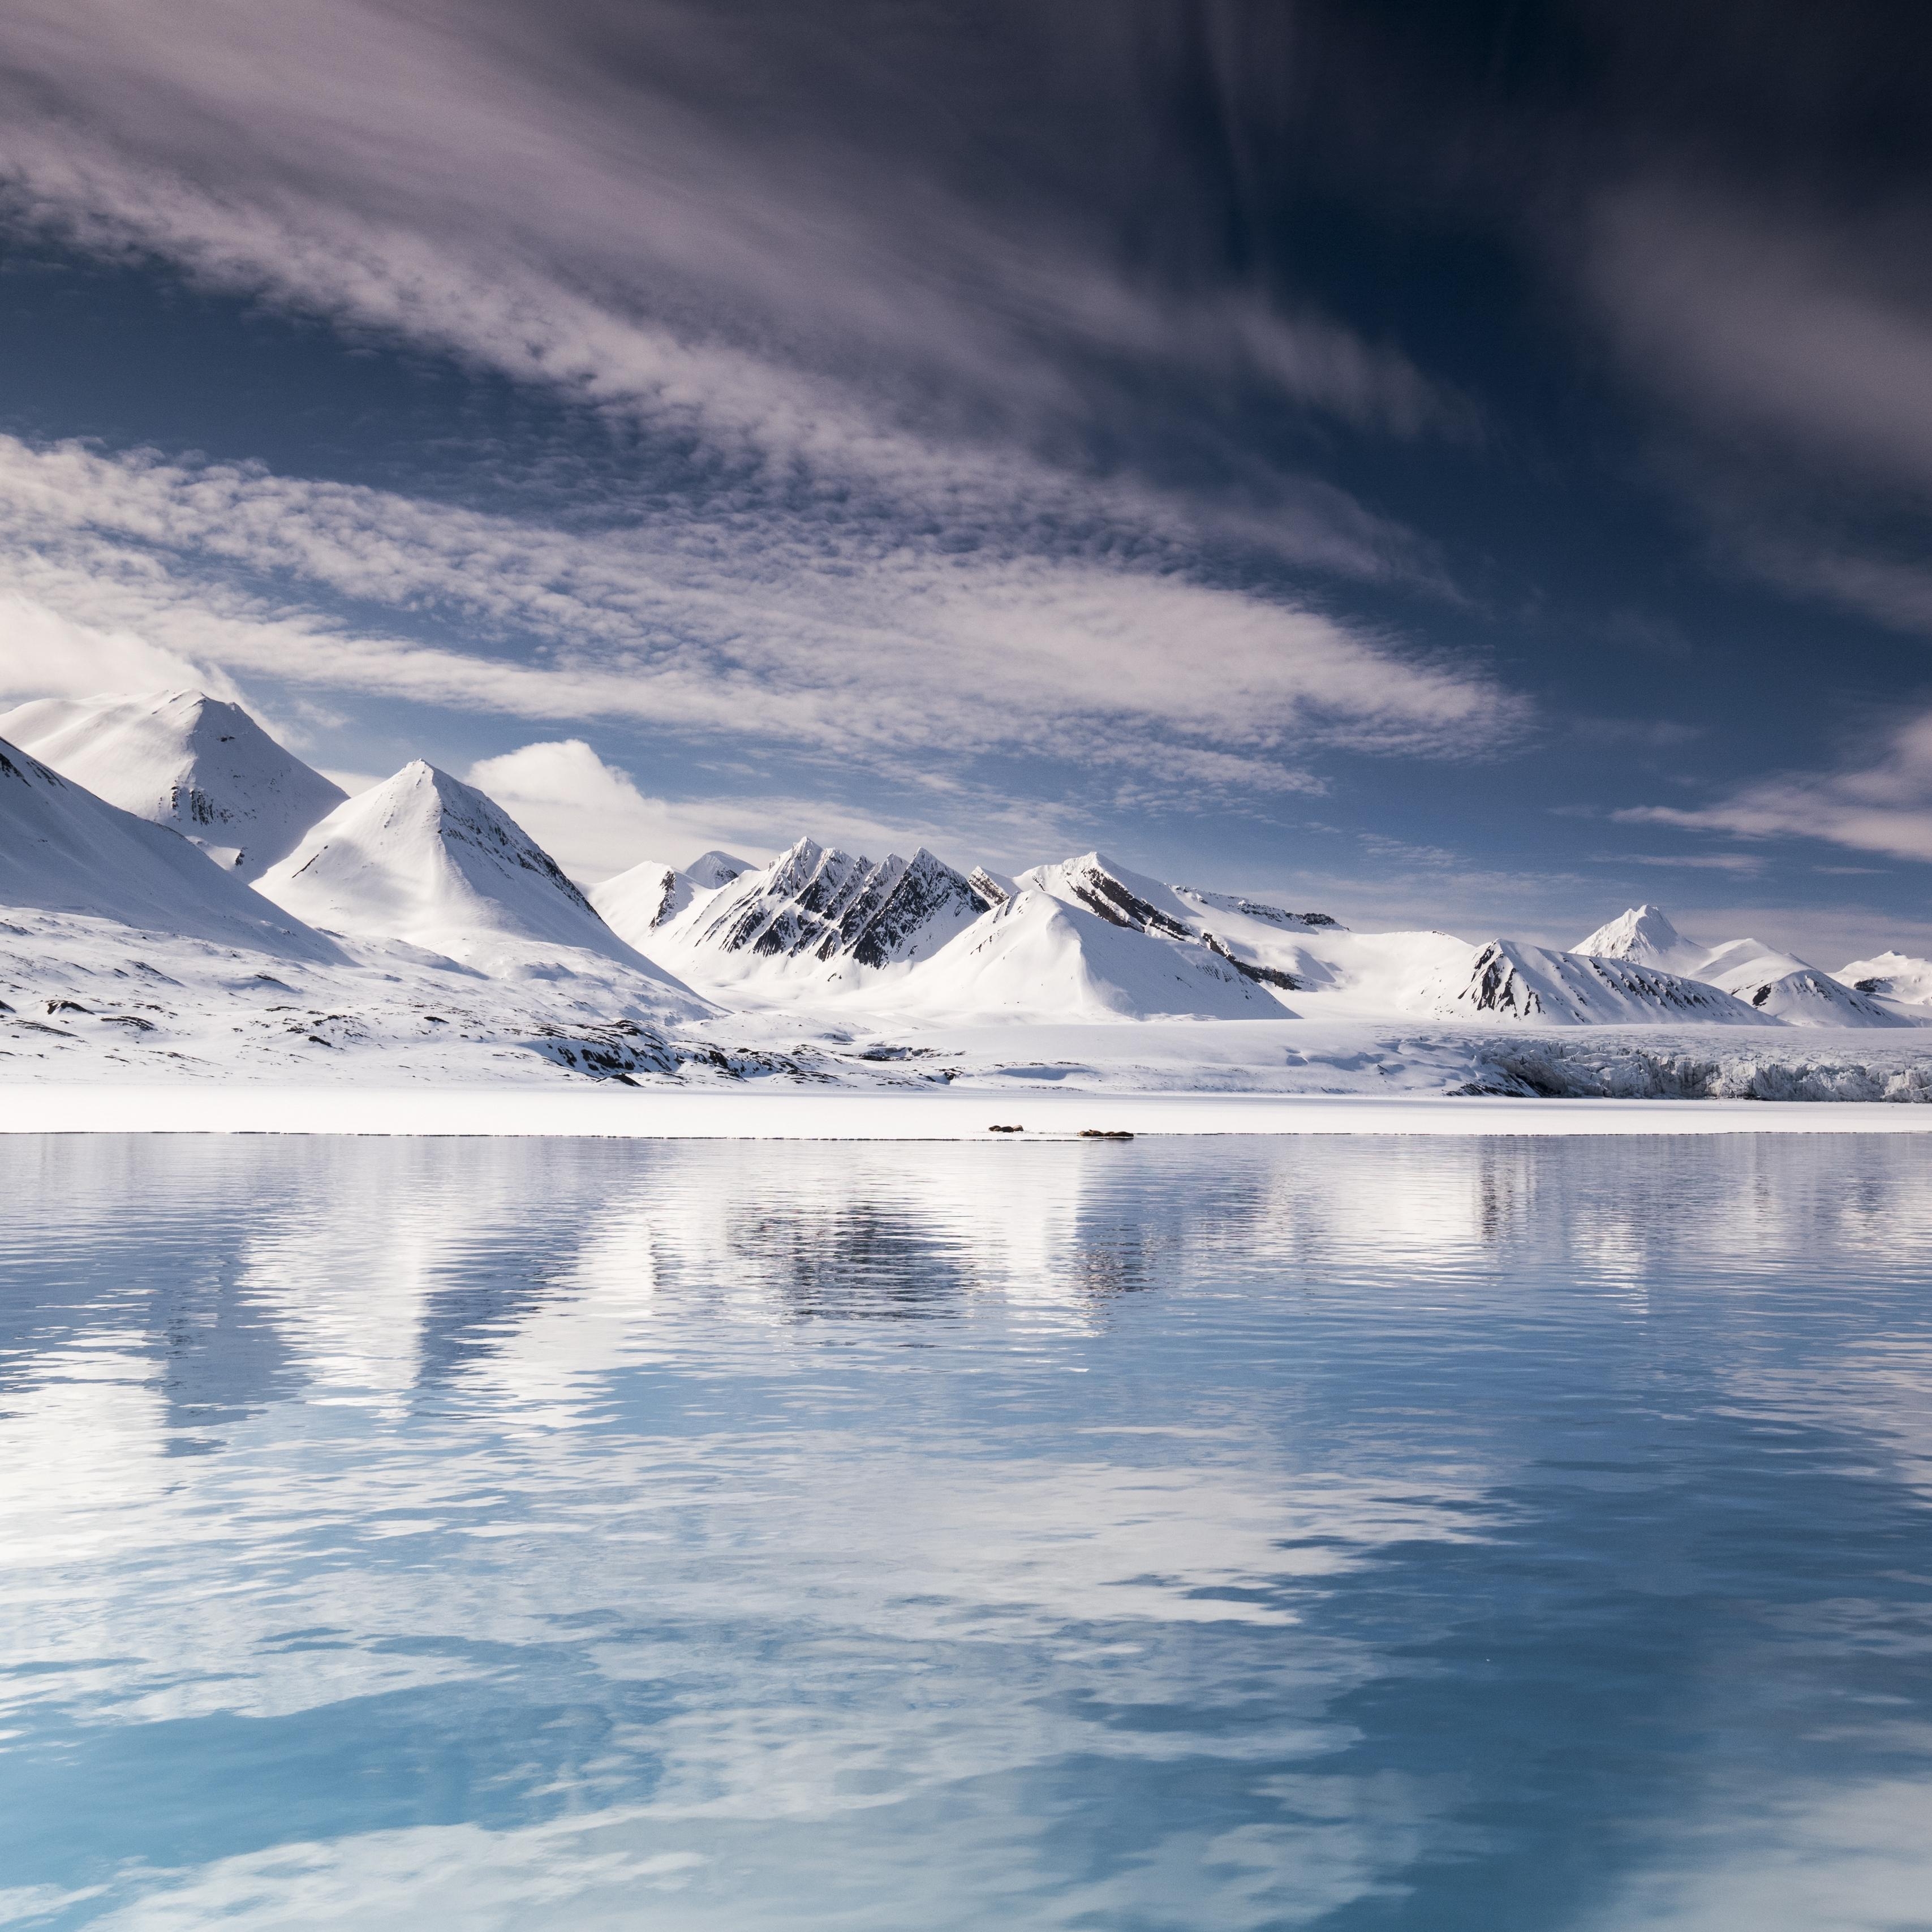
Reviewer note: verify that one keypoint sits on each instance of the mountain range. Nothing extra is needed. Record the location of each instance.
(176, 817)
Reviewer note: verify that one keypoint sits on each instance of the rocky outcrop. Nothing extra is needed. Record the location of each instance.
(821, 904)
(1529, 982)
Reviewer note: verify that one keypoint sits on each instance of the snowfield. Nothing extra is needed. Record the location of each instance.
(413, 942)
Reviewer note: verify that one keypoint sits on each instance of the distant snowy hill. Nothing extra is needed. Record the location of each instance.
(425, 858)
(635, 903)
(1036, 958)
(1532, 982)
(710, 870)
(1809, 997)
(1324, 968)
(63, 850)
(183, 760)
(1775, 984)
(1890, 976)
(1243, 931)
(1262, 943)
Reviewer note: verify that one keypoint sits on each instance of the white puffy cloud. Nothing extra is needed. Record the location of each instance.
(591, 817)
(44, 654)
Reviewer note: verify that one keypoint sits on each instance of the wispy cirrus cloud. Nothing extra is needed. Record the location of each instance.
(1884, 805)
(490, 182)
(1791, 347)
(881, 498)
(1797, 329)
(330, 586)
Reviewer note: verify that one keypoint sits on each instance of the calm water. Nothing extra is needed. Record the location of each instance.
(1415, 1534)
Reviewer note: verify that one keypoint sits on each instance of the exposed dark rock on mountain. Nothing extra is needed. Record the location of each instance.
(1524, 982)
(827, 904)
(1265, 975)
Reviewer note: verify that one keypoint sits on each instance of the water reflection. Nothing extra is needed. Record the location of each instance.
(1227, 1534)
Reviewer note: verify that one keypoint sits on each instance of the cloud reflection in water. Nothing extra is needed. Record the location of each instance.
(764, 1534)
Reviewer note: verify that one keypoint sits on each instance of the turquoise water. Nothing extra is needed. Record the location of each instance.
(1396, 1534)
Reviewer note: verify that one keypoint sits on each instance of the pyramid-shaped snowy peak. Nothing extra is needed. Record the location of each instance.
(1644, 935)
(62, 850)
(183, 760)
(425, 858)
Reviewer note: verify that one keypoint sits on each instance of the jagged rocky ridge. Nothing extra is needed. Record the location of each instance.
(417, 929)
(822, 906)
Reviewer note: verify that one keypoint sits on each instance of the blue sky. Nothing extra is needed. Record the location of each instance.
(1461, 465)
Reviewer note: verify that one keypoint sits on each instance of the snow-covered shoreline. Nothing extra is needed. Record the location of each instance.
(608, 1111)
(412, 955)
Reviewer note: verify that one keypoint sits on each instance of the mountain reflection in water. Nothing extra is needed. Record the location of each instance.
(1247, 1533)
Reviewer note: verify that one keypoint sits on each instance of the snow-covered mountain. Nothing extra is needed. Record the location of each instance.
(908, 936)
(424, 859)
(1645, 936)
(63, 850)
(1035, 958)
(183, 760)
(1324, 967)
(635, 903)
(1898, 976)
(1533, 983)
(817, 915)
(1810, 998)
(710, 870)
(1775, 985)
(451, 941)
(1258, 940)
